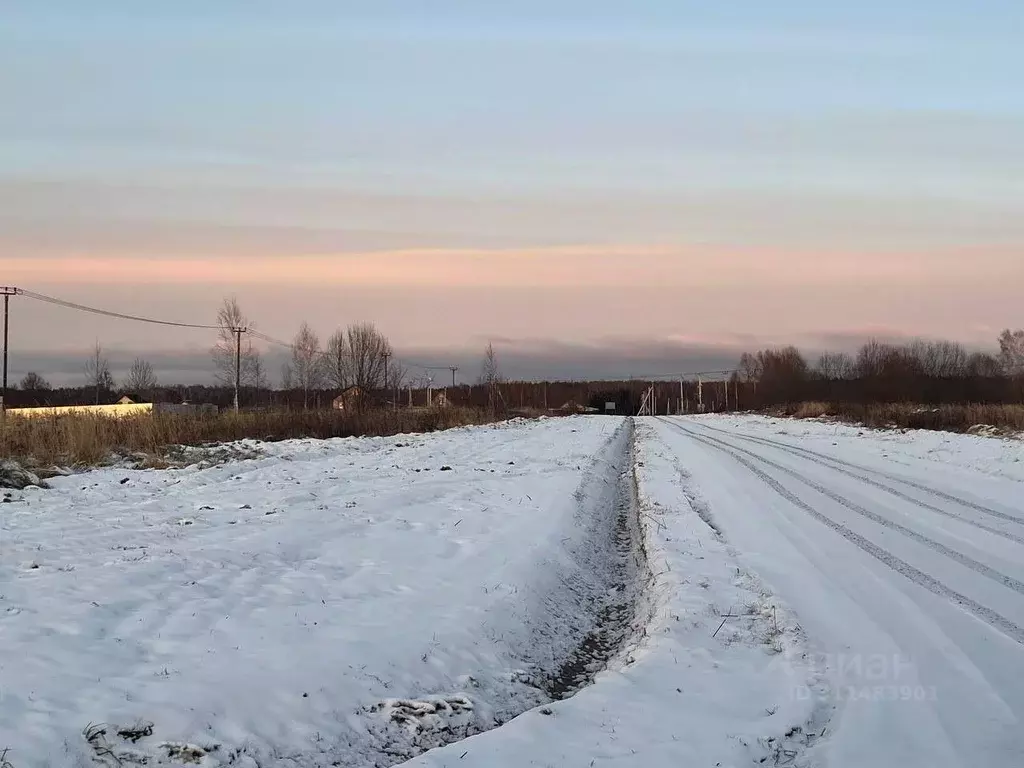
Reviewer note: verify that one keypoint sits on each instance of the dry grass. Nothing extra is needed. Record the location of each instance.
(89, 440)
(811, 410)
(1008, 419)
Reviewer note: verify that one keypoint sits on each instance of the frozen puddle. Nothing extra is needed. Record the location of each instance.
(346, 603)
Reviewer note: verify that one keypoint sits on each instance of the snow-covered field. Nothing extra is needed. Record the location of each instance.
(748, 592)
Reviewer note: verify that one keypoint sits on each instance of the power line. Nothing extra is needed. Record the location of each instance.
(427, 367)
(108, 313)
(678, 374)
(270, 339)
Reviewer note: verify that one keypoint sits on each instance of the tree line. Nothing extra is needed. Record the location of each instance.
(927, 372)
(358, 355)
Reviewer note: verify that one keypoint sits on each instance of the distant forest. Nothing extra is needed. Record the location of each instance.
(925, 372)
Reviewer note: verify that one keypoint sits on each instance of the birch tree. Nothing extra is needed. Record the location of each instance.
(307, 366)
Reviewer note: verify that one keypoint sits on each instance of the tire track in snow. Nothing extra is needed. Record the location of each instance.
(919, 577)
(844, 468)
(806, 452)
(969, 562)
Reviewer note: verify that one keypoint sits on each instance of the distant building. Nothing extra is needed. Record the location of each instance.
(441, 400)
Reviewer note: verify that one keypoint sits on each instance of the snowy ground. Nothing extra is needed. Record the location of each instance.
(749, 591)
(277, 607)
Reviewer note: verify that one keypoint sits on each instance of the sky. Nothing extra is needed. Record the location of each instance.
(596, 187)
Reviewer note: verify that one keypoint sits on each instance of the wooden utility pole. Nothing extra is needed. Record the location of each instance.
(238, 363)
(7, 293)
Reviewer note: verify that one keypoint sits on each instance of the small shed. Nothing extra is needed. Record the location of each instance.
(441, 400)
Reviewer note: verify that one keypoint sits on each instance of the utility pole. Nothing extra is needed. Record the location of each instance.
(238, 361)
(386, 356)
(7, 292)
(700, 395)
(454, 369)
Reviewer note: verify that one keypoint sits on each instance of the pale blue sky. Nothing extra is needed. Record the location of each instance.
(872, 99)
(224, 130)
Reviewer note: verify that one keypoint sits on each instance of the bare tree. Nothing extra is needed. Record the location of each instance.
(141, 378)
(307, 364)
(784, 367)
(835, 366)
(984, 365)
(941, 359)
(489, 371)
(97, 373)
(397, 374)
(287, 379)
(33, 382)
(338, 362)
(230, 316)
(877, 359)
(490, 376)
(1011, 352)
(256, 370)
(369, 354)
(750, 366)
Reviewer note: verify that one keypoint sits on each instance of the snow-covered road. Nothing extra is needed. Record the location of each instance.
(906, 570)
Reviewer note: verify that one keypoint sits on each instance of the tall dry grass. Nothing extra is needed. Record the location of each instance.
(948, 418)
(88, 440)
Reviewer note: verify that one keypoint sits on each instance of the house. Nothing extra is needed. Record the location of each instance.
(348, 400)
(127, 400)
(441, 400)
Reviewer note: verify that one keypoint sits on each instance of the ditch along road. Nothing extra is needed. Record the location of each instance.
(908, 580)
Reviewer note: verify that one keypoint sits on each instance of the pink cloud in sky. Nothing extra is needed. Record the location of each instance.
(688, 267)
